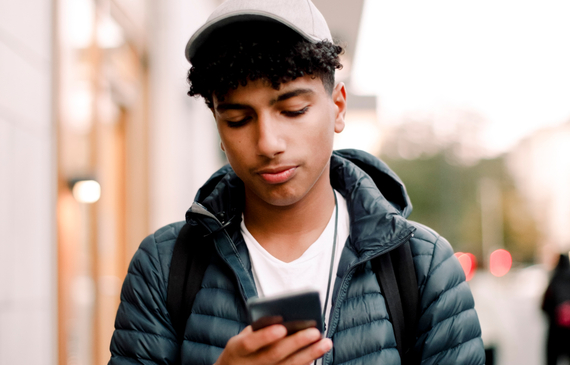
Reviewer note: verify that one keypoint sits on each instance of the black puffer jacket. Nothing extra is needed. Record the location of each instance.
(360, 328)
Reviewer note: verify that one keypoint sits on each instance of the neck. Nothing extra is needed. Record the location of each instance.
(286, 232)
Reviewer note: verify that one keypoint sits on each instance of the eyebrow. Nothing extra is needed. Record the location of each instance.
(226, 106)
(288, 95)
(291, 94)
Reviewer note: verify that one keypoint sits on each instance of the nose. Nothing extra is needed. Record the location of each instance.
(270, 141)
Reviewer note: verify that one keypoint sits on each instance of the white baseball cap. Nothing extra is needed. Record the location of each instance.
(301, 16)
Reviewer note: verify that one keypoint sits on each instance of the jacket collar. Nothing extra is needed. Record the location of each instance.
(376, 199)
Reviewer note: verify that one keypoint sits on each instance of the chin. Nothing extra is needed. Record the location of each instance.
(282, 201)
(281, 197)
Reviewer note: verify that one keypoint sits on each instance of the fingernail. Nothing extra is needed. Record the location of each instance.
(313, 333)
(326, 344)
(279, 330)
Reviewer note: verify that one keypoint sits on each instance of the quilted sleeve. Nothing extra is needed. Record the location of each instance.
(143, 332)
(448, 328)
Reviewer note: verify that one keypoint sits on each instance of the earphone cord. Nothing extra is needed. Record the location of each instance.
(332, 264)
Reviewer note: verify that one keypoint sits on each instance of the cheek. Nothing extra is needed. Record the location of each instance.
(322, 135)
(236, 155)
(232, 153)
(231, 142)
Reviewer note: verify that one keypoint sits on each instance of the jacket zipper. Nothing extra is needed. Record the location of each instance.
(239, 284)
(344, 287)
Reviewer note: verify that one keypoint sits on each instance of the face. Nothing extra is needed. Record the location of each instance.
(279, 142)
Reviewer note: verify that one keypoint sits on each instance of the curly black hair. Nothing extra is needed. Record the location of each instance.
(250, 51)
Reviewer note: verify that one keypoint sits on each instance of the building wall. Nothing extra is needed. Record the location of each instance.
(27, 185)
(184, 145)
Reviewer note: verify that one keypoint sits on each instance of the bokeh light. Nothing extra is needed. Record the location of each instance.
(468, 263)
(86, 191)
(500, 262)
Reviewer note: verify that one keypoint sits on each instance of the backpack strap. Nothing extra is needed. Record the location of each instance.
(404, 268)
(396, 275)
(187, 267)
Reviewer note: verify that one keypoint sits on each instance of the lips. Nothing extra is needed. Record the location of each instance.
(277, 175)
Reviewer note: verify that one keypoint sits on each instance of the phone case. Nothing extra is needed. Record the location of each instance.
(296, 311)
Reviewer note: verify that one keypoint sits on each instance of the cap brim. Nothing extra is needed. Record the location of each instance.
(202, 34)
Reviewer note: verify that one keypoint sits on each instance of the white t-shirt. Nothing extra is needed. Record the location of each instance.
(273, 276)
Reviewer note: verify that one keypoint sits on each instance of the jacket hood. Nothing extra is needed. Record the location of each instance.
(377, 200)
(386, 180)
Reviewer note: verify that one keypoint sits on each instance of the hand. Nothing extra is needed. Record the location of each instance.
(271, 345)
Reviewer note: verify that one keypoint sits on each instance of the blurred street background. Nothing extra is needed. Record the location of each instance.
(468, 102)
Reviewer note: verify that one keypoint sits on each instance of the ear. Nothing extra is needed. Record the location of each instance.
(222, 146)
(339, 100)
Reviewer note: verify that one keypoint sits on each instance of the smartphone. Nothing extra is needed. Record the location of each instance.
(296, 311)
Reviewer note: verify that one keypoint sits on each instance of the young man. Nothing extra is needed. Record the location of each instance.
(284, 208)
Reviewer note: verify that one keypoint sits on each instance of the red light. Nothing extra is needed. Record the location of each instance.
(500, 262)
(468, 263)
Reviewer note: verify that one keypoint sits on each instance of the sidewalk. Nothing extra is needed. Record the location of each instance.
(510, 315)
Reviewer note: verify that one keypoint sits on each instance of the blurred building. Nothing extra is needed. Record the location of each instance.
(123, 119)
(541, 167)
(99, 146)
(28, 296)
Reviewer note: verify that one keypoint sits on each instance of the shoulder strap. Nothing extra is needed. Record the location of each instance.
(396, 275)
(187, 267)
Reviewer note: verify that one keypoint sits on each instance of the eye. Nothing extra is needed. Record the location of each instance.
(238, 123)
(295, 113)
